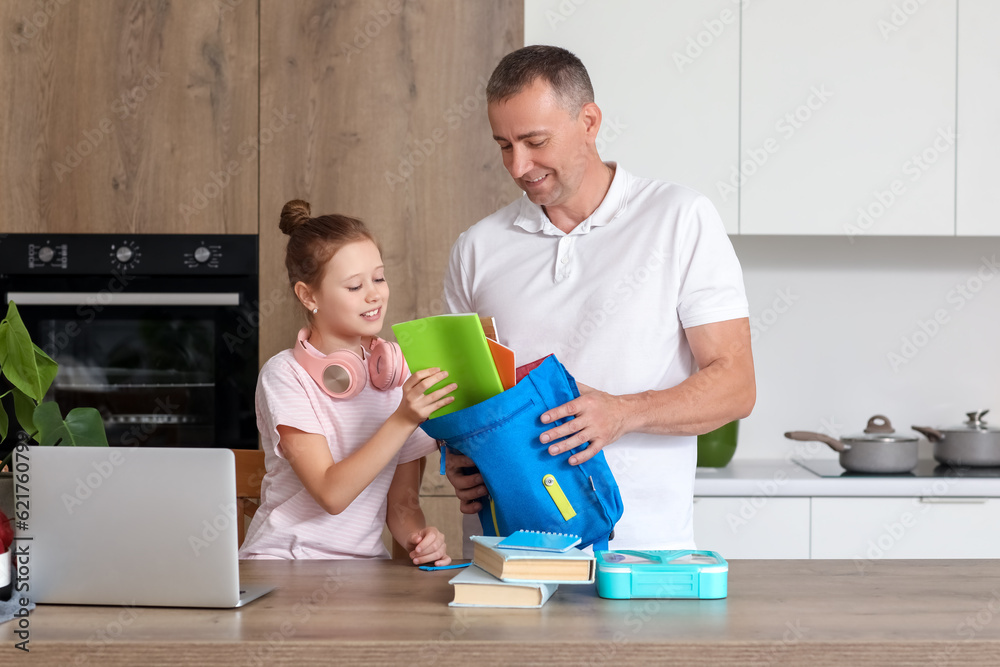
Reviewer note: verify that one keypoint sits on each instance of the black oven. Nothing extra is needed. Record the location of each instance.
(158, 332)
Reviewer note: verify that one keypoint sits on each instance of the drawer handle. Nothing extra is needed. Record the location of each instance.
(558, 497)
(938, 500)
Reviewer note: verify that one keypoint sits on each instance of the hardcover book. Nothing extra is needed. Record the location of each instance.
(477, 588)
(503, 359)
(520, 565)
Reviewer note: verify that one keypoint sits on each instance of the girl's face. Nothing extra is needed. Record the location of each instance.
(353, 294)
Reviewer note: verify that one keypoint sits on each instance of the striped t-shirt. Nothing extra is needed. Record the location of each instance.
(289, 523)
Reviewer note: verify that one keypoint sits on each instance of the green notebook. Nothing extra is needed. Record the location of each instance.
(453, 343)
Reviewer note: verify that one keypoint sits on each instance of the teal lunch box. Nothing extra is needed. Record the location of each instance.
(629, 574)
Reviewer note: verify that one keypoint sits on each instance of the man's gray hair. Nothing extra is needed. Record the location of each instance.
(561, 69)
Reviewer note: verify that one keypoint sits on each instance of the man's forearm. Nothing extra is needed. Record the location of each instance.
(716, 395)
(723, 390)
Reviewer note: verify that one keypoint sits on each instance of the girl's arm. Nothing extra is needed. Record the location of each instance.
(425, 544)
(336, 485)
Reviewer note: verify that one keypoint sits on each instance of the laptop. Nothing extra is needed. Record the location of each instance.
(133, 526)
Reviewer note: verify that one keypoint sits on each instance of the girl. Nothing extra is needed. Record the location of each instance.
(340, 468)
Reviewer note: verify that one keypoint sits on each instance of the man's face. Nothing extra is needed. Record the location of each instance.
(545, 147)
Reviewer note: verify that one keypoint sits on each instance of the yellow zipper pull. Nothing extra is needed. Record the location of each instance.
(560, 499)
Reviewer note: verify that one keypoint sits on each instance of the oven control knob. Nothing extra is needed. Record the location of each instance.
(46, 254)
(202, 254)
(123, 254)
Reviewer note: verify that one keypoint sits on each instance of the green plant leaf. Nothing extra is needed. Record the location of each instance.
(47, 369)
(49, 422)
(24, 409)
(23, 363)
(87, 427)
(83, 427)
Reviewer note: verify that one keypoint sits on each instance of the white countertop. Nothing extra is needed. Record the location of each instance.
(762, 477)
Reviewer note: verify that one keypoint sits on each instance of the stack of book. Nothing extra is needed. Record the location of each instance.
(524, 572)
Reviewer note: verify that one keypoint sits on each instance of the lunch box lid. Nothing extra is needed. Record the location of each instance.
(688, 573)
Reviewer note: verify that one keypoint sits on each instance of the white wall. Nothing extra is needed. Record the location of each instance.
(825, 364)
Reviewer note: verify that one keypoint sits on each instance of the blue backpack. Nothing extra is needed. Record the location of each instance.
(530, 489)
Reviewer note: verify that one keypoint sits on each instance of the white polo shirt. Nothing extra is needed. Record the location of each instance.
(611, 300)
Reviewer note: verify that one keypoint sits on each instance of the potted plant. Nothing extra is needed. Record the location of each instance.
(26, 373)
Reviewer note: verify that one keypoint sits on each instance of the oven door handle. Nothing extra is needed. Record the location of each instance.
(105, 298)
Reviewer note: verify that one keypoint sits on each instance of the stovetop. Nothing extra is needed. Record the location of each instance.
(925, 468)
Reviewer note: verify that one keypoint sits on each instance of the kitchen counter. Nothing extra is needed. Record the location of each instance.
(762, 477)
(899, 612)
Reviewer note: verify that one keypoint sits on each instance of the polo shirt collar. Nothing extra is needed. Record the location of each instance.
(532, 218)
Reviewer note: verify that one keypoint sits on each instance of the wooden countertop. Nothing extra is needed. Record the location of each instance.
(902, 612)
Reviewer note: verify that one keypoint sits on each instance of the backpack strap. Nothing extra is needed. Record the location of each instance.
(601, 544)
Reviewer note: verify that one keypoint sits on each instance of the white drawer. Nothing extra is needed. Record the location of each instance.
(868, 529)
(753, 527)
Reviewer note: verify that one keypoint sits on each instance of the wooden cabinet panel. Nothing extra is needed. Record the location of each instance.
(389, 124)
(848, 118)
(753, 527)
(129, 116)
(434, 483)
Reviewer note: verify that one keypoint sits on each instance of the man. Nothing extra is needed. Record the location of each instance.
(631, 283)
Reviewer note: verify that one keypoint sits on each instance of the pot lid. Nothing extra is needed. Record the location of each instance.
(975, 423)
(879, 429)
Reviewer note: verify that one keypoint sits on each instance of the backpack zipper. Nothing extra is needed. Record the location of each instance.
(558, 497)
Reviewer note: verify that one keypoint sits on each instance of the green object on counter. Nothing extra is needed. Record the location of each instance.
(716, 448)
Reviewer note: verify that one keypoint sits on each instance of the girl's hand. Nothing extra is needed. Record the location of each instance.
(416, 406)
(426, 546)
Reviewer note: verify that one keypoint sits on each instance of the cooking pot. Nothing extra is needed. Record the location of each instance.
(878, 450)
(971, 444)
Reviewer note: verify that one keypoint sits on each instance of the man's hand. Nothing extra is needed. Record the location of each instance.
(722, 390)
(598, 417)
(469, 487)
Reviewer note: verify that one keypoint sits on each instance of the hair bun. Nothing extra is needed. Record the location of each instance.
(294, 214)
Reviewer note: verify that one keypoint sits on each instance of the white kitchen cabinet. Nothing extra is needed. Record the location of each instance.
(978, 197)
(848, 117)
(666, 76)
(869, 529)
(753, 526)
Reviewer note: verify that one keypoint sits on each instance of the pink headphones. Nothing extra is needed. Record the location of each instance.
(343, 374)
